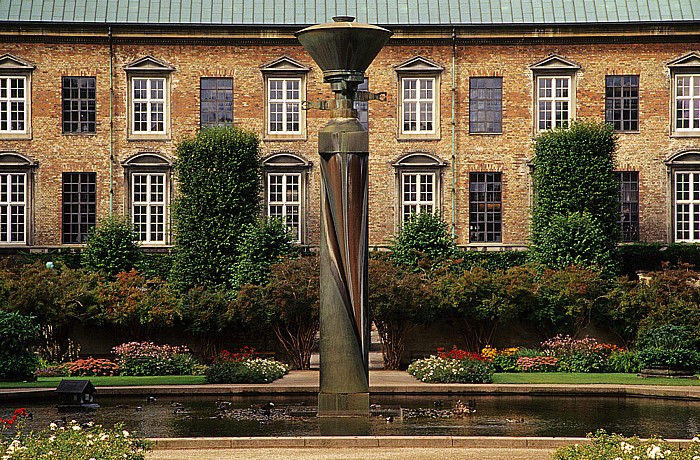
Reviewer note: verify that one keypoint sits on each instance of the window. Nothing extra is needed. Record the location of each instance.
(622, 102)
(13, 208)
(417, 115)
(629, 205)
(13, 103)
(485, 207)
(687, 201)
(284, 105)
(147, 176)
(685, 95)
(485, 105)
(554, 92)
(418, 185)
(284, 200)
(149, 88)
(148, 207)
(553, 102)
(79, 206)
(286, 177)
(687, 98)
(15, 98)
(285, 89)
(79, 105)
(419, 103)
(216, 102)
(148, 99)
(418, 193)
(362, 107)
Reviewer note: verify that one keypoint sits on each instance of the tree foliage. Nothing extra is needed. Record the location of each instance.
(399, 300)
(576, 193)
(288, 305)
(112, 247)
(218, 174)
(422, 239)
(262, 244)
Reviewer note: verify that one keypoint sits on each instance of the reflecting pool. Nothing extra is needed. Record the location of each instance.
(393, 416)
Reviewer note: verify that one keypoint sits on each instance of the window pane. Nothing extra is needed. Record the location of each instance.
(12, 104)
(79, 206)
(284, 104)
(284, 200)
(216, 96)
(485, 105)
(485, 207)
(621, 102)
(418, 105)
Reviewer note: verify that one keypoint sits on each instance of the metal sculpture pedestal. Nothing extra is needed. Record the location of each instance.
(344, 320)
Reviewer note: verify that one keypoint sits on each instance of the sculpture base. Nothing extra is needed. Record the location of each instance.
(343, 405)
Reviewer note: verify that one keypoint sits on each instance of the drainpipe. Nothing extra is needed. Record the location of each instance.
(454, 90)
(111, 126)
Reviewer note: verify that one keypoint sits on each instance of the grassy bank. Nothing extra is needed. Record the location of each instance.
(118, 381)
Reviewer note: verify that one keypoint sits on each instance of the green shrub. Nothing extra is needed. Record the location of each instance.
(579, 355)
(263, 243)
(147, 358)
(219, 185)
(244, 367)
(112, 246)
(624, 361)
(436, 369)
(18, 334)
(576, 210)
(681, 358)
(423, 236)
(668, 337)
(606, 446)
(74, 441)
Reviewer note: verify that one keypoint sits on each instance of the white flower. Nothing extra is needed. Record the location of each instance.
(125, 433)
(76, 427)
(104, 437)
(695, 439)
(53, 426)
(52, 438)
(654, 451)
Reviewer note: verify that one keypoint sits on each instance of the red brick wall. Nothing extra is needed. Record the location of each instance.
(507, 152)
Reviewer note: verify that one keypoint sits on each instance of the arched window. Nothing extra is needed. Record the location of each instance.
(16, 185)
(418, 184)
(148, 186)
(684, 171)
(286, 178)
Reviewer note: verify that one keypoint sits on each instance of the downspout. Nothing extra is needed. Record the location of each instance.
(454, 90)
(111, 126)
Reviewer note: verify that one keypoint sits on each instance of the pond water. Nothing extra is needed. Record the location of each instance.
(494, 416)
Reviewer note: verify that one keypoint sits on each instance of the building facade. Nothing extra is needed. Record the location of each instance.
(96, 95)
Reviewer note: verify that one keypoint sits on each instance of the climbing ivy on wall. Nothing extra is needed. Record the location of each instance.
(576, 212)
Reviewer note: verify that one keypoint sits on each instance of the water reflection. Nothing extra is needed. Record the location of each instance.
(495, 416)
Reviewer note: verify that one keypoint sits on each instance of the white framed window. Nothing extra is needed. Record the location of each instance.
(148, 201)
(13, 104)
(687, 103)
(13, 208)
(687, 206)
(418, 114)
(417, 194)
(418, 105)
(149, 99)
(284, 105)
(148, 105)
(553, 102)
(284, 200)
(149, 184)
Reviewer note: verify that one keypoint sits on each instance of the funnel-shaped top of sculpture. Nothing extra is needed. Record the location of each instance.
(343, 49)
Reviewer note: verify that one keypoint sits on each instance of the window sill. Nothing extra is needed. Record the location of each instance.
(90, 134)
(418, 137)
(15, 136)
(681, 134)
(148, 137)
(284, 137)
(486, 134)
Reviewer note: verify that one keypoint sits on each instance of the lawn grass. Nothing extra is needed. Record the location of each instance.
(118, 381)
(587, 379)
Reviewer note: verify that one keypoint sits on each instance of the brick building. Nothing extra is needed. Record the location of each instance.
(96, 94)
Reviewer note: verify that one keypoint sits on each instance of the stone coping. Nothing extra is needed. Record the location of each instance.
(475, 442)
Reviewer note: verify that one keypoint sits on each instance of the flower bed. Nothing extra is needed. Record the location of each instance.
(616, 447)
(455, 366)
(70, 442)
(91, 366)
(244, 366)
(147, 358)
